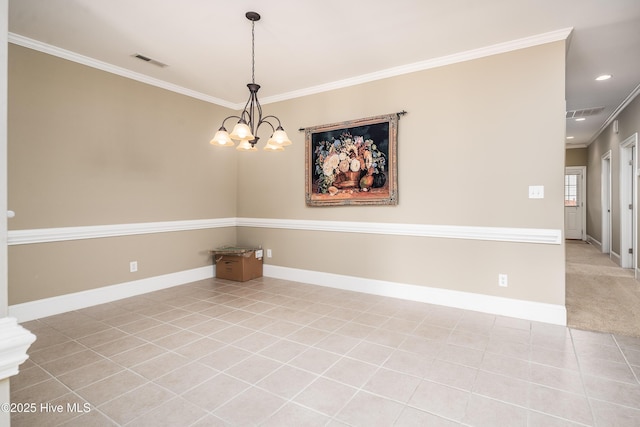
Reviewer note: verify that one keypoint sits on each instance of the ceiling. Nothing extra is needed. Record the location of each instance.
(308, 46)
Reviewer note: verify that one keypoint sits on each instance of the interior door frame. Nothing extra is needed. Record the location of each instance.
(628, 217)
(582, 195)
(605, 194)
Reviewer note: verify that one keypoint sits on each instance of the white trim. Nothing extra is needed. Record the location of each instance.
(61, 304)
(615, 257)
(629, 196)
(540, 312)
(498, 234)
(119, 71)
(594, 242)
(14, 343)
(582, 172)
(45, 235)
(469, 55)
(523, 43)
(605, 201)
(614, 115)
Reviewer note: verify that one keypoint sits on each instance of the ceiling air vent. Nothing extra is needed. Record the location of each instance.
(149, 60)
(585, 112)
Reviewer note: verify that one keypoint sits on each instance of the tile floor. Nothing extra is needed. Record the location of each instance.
(276, 353)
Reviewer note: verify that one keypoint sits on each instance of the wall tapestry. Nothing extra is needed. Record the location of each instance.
(353, 162)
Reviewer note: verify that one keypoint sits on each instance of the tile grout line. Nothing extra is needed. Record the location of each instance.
(584, 386)
(633, 372)
(300, 297)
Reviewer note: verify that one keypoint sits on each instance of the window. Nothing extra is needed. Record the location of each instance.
(571, 190)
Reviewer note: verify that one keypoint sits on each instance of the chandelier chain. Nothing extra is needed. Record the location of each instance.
(253, 52)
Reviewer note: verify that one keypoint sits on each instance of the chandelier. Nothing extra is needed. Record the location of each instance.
(250, 120)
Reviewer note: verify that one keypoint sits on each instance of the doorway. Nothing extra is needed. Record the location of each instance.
(574, 203)
(605, 191)
(628, 201)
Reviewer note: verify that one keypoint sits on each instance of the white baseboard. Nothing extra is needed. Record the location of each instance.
(615, 258)
(529, 310)
(541, 312)
(61, 304)
(594, 242)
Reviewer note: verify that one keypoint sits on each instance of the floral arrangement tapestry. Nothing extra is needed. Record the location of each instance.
(352, 163)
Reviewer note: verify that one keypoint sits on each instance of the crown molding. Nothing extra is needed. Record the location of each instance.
(635, 92)
(509, 46)
(123, 72)
(526, 42)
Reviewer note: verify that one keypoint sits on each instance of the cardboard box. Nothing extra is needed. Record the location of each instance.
(238, 264)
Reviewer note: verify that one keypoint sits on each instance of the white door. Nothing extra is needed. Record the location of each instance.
(574, 203)
(628, 200)
(605, 192)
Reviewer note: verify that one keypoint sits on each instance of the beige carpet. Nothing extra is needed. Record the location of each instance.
(600, 296)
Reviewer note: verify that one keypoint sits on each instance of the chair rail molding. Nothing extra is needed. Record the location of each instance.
(496, 234)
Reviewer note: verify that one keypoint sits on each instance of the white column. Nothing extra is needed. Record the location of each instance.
(5, 418)
(14, 342)
(14, 339)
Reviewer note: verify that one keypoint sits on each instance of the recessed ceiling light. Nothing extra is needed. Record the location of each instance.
(580, 119)
(570, 137)
(603, 77)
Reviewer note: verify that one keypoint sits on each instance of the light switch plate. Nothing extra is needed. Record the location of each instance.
(259, 253)
(536, 191)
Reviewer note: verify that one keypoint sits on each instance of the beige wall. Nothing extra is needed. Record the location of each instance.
(88, 147)
(628, 124)
(576, 157)
(460, 155)
(45, 270)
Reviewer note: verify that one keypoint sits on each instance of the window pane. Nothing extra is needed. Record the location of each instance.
(571, 190)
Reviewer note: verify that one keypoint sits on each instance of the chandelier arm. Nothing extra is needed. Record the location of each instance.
(230, 117)
(258, 120)
(245, 110)
(274, 117)
(273, 129)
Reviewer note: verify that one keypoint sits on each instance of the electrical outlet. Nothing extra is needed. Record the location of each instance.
(268, 253)
(503, 280)
(133, 266)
